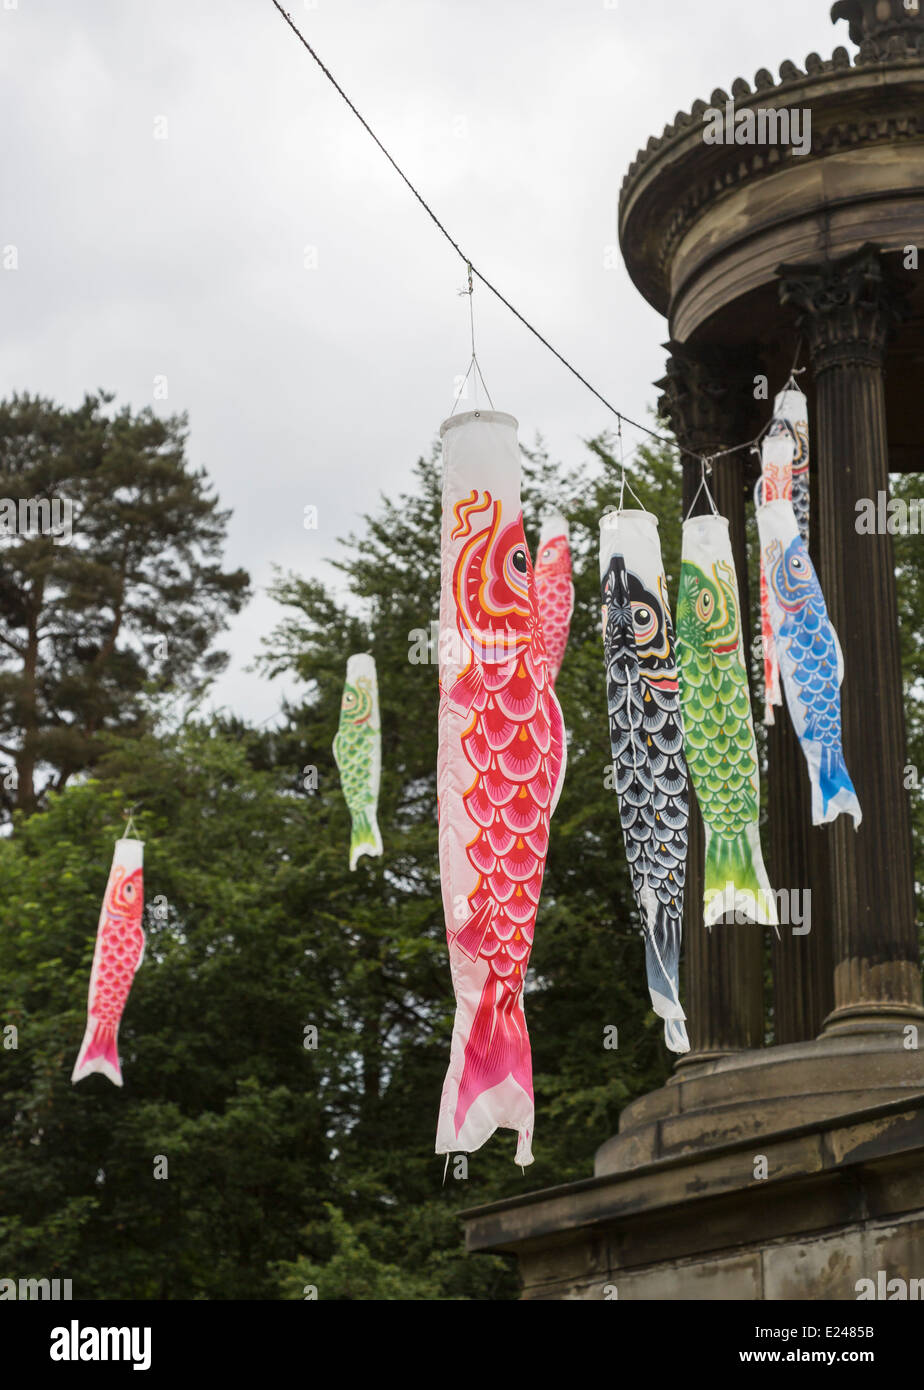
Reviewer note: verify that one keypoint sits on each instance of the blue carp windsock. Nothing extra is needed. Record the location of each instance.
(719, 737)
(811, 662)
(358, 754)
(118, 953)
(646, 735)
(500, 768)
(554, 587)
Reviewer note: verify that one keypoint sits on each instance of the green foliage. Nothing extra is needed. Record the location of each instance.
(127, 606)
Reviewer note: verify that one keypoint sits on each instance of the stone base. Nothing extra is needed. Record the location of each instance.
(680, 1209)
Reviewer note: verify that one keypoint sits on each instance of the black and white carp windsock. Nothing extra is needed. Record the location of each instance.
(646, 734)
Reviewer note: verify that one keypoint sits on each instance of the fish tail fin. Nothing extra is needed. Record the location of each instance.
(735, 880)
(662, 955)
(834, 789)
(498, 1047)
(99, 1051)
(364, 836)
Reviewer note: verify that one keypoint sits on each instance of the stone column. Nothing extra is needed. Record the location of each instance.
(847, 308)
(709, 399)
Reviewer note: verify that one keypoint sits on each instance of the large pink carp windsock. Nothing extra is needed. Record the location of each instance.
(554, 587)
(119, 951)
(500, 768)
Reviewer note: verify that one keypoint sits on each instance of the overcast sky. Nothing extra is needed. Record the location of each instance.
(317, 377)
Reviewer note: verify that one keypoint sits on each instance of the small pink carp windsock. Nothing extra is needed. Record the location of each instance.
(119, 951)
(775, 482)
(554, 588)
(500, 768)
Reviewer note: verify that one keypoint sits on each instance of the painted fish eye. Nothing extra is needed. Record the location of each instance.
(642, 617)
(547, 553)
(704, 606)
(518, 561)
(797, 564)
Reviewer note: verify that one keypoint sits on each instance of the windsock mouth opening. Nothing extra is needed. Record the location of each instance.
(710, 517)
(614, 515)
(487, 417)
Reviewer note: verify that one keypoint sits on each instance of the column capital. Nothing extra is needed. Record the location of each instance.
(846, 308)
(708, 395)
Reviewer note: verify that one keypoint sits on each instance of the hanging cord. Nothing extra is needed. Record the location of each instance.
(128, 815)
(473, 363)
(705, 467)
(623, 480)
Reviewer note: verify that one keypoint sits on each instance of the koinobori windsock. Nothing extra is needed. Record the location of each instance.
(775, 481)
(719, 740)
(646, 736)
(118, 954)
(500, 768)
(554, 588)
(790, 421)
(358, 754)
(811, 662)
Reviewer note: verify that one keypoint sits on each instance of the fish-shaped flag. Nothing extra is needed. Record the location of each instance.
(118, 954)
(719, 740)
(790, 420)
(646, 736)
(554, 587)
(358, 754)
(500, 768)
(775, 481)
(811, 661)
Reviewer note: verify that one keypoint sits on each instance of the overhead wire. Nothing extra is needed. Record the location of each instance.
(474, 271)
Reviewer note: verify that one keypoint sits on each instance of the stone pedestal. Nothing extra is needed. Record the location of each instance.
(767, 1175)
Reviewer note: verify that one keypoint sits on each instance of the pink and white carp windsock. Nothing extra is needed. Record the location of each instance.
(775, 482)
(790, 420)
(119, 952)
(554, 587)
(500, 768)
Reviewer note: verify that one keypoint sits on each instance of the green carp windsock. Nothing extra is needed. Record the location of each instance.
(358, 752)
(718, 728)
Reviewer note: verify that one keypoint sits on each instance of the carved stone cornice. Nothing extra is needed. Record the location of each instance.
(707, 396)
(678, 179)
(883, 29)
(847, 308)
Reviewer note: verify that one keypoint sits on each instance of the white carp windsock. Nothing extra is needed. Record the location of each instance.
(118, 954)
(500, 768)
(554, 587)
(719, 737)
(358, 754)
(775, 481)
(811, 661)
(646, 735)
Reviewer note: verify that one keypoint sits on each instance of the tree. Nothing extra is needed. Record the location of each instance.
(126, 605)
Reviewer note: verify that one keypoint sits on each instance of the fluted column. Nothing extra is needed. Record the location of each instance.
(847, 308)
(709, 398)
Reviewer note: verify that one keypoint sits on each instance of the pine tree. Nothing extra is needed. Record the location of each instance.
(125, 605)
